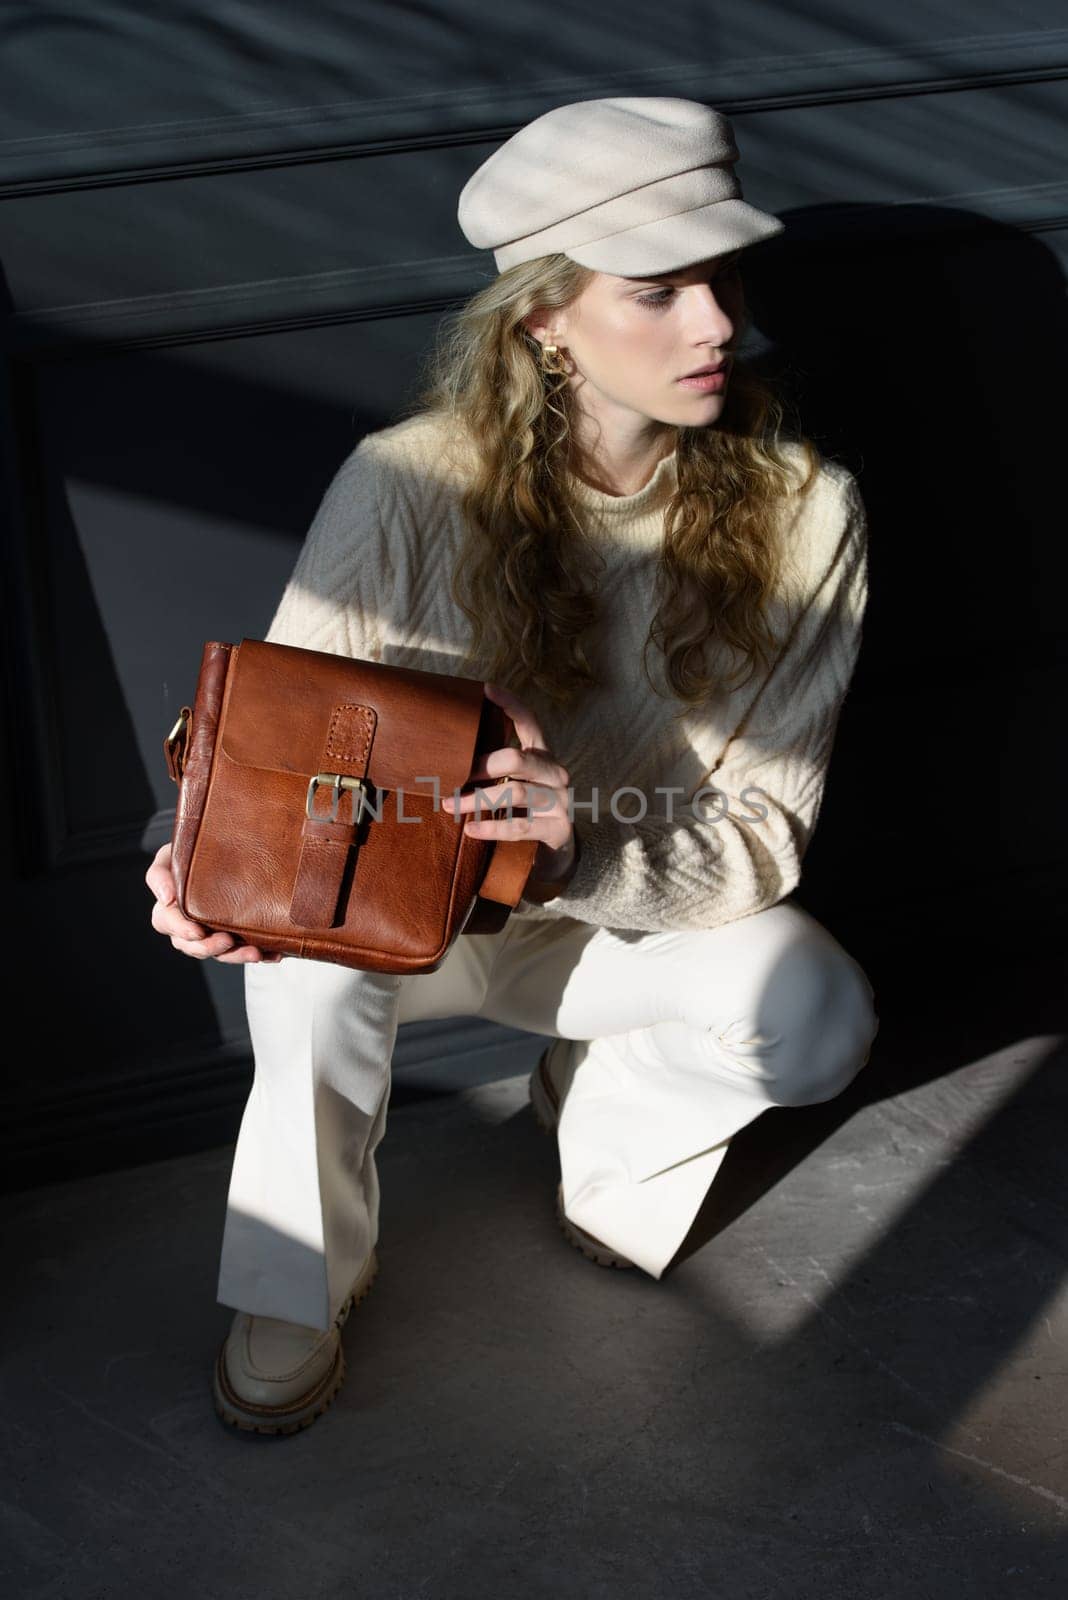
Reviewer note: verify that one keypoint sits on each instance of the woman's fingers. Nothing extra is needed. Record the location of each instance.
(192, 938)
(546, 816)
(212, 944)
(530, 778)
(219, 946)
(538, 798)
(539, 766)
(532, 766)
(526, 723)
(189, 937)
(170, 920)
(223, 948)
(159, 877)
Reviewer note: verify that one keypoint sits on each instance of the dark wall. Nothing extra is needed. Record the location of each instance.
(226, 235)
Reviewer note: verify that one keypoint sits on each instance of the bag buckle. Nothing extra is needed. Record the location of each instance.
(337, 782)
(175, 743)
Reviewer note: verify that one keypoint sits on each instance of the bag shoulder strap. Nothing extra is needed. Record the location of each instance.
(510, 867)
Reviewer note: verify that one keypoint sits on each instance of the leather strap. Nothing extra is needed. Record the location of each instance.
(508, 870)
(327, 840)
(541, 890)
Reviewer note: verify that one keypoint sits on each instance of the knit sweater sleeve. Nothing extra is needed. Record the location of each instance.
(720, 859)
(331, 600)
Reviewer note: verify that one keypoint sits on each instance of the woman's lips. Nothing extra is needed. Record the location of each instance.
(709, 382)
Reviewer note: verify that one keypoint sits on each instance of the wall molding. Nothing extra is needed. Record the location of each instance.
(236, 310)
(193, 1098)
(113, 842)
(434, 283)
(341, 130)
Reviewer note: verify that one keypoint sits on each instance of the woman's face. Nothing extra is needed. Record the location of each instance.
(632, 340)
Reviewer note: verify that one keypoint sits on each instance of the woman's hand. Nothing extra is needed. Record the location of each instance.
(530, 777)
(190, 937)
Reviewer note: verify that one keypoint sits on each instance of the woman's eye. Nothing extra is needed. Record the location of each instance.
(662, 296)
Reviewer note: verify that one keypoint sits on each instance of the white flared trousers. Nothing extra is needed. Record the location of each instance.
(681, 1039)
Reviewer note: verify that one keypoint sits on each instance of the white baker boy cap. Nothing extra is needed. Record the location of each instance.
(631, 186)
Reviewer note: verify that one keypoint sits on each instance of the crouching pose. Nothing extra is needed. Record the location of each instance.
(592, 507)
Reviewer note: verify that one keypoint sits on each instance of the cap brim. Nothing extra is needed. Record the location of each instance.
(671, 243)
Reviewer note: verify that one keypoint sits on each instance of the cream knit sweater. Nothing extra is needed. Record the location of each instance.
(372, 580)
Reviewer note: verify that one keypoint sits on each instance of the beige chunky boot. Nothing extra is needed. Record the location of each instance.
(276, 1377)
(548, 1086)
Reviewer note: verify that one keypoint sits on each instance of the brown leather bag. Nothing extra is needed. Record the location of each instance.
(309, 817)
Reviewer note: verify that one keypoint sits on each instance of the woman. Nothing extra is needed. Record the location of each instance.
(666, 596)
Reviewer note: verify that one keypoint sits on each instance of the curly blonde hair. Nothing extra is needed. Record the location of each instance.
(526, 576)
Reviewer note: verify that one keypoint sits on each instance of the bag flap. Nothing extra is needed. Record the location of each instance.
(281, 698)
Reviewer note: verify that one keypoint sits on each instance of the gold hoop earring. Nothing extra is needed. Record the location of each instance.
(552, 361)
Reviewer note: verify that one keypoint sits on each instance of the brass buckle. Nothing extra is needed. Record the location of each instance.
(174, 745)
(337, 782)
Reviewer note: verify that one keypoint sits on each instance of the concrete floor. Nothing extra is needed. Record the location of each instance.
(854, 1386)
